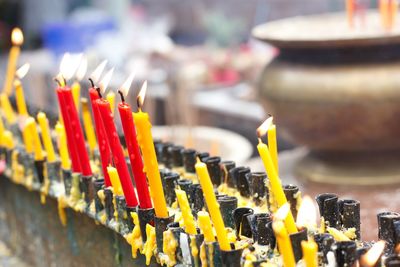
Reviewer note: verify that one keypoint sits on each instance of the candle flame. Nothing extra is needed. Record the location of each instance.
(67, 66)
(22, 71)
(397, 249)
(373, 254)
(95, 76)
(17, 37)
(282, 212)
(82, 68)
(263, 129)
(142, 94)
(103, 84)
(307, 215)
(127, 84)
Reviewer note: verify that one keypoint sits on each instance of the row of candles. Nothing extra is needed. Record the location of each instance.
(387, 10)
(149, 192)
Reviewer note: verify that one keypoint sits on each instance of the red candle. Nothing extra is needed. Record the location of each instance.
(117, 152)
(104, 148)
(74, 130)
(76, 167)
(133, 148)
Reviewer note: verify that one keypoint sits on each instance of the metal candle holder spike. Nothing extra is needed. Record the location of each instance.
(160, 225)
(231, 258)
(346, 253)
(146, 216)
(98, 185)
(350, 215)
(214, 169)
(67, 178)
(108, 202)
(325, 243)
(296, 239)
(329, 208)
(170, 182)
(189, 160)
(227, 204)
(291, 192)
(242, 226)
(39, 167)
(87, 188)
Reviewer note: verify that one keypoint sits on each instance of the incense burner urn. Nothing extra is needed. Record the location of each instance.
(336, 91)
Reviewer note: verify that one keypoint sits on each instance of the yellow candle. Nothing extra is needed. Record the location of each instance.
(17, 38)
(20, 98)
(1, 131)
(7, 108)
(115, 182)
(190, 225)
(272, 146)
(28, 141)
(310, 249)
(284, 244)
(212, 205)
(76, 93)
(62, 147)
(37, 146)
(8, 140)
(145, 140)
(88, 124)
(205, 226)
(111, 99)
(276, 186)
(337, 235)
(46, 137)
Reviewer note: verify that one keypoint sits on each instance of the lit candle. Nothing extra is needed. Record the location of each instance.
(116, 184)
(188, 220)
(19, 90)
(371, 257)
(310, 249)
(282, 236)
(275, 182)
(7, 109)
(62, 147)
(37, 146)
(205, 226)
(46, 137)
(350, 12)
(145, 140)
(111, 99)
(307, 215)
(102, 141)
(115, 144)
(272, 144)
(212, 205)
(76, 86)
(17, 38)
(88, 125)
(135, 156)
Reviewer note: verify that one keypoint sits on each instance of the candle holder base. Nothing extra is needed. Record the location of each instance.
(160, 225)
(129, 220)
(231, 258)
(39, 167)
(213, 254)
(296, 239)
(98, 185)
(87, 188)
(53, 171)
(146, 216)
(67, 178)
(109, 205)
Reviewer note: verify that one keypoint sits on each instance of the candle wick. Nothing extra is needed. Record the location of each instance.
(58, 82)
(139, 104)
(98, 92)
(259, 140)
(91, 82)
(122, 96)
(65, 81)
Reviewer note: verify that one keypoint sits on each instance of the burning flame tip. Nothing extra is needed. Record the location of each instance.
(142, 94)
(17, 37)
(282, 212)
(106, 80)
(373, 254)
(307, 214)
(127, 84)
(95, 76)
(22, 71)
(263, 128)
(82, 68)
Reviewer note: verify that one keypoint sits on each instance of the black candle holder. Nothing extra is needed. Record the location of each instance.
(189, 160)
(129, 220)
(253, 220)
(234, 172)
(27, 162)
(176, 232)
(67, 178)
(243, 185)
(291, 192)
(98, 185)
(146, 216)
(325, 242)
(386, 228)
(170, 182)
(185, 185)
(231, 258)
(203, 156)
(213, 253)
(392, 261)
(258, 189)
(176, 156)
(160, 225)
(296, 239)
(346, 253)
(54, 171)
(165, 157)
(87, 188)
(108, 203)
(242, 226)
(122, 218)
(196, 199)
(350, 215)
(39, 167)
(227, 204)
(198, 240)
(396, 225)
(214, 169)
(226, 167)
(329, 208)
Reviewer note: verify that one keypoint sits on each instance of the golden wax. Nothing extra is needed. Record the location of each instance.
(37, 146)
(46, 137)
(20, 98)
(310, 249)
(337, 235)
(272, 146)
(145, 140)
(276, 186)
(115, 182)
(284, 244)
(205, 226)
(76, 94)
(8, 140)
(7, 108)
(62, 147)
(28, 141)
(188, 220)
(212, 205)
(111, 99)
(1, 131)
(12, 66)
(88, 124)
